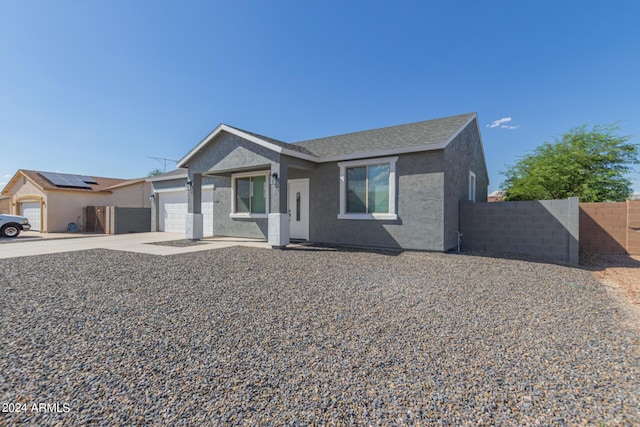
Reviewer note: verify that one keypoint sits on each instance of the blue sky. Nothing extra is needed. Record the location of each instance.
(96, 88)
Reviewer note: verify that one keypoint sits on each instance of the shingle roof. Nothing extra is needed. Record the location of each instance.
(429, 132)
(277, 142)
(419, 136)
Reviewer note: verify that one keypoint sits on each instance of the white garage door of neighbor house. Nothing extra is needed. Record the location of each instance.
(173, 211)
(32, 211)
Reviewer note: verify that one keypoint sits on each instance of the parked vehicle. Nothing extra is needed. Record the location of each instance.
(12, 225)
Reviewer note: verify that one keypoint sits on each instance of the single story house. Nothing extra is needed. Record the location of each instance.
(52, 200)
(394, 187)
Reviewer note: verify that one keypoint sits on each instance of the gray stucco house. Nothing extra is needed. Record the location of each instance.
(394, 187)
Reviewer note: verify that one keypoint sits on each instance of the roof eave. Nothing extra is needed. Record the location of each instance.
(382, 153)
(167, 177)
(126, 183)
(184, 162)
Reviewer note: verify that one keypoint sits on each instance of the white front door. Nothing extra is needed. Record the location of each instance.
(207, 212)
(298, 190)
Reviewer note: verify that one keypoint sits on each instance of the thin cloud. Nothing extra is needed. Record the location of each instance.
(7, 176)
(501, 123)
(496, 123)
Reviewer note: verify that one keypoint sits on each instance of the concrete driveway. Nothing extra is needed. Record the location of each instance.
(28, 244)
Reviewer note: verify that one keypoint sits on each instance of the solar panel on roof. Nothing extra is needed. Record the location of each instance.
(67, 180)
(87, 179)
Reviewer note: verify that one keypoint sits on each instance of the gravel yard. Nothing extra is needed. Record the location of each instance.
(311, 336)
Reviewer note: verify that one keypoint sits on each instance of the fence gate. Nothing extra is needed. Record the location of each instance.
(96, 219)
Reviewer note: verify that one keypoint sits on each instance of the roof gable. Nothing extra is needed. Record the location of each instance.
(269, 143)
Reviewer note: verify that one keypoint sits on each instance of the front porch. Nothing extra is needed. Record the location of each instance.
(261, 202)
(251, 176)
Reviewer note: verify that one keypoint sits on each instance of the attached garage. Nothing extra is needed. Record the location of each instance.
(33, 212)
(173, 211)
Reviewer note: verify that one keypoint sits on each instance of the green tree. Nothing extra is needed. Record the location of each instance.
(591, 164)
(154, 172)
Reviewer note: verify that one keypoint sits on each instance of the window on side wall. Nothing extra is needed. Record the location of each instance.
(250, 195)
(472, 186)
(368, 188)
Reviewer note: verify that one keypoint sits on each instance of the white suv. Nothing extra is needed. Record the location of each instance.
(11, 225)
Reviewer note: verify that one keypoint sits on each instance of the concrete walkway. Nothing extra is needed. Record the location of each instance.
(28, 244)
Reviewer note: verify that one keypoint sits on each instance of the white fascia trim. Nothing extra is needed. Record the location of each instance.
(361, 216)
(266, 144)
(174, 189)
(254, 173)
(472, 186)
(390, 152)
(362, 162)
(248, 216)
(166, 178)
(403, 150)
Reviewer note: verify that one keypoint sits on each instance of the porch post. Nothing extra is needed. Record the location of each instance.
(194, 229)
(155, 225)
(278, 234)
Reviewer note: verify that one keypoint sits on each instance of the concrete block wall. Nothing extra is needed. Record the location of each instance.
(544, 228)
(127, 220)
(610, 228)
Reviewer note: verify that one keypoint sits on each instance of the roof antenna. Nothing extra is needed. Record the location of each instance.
(162, 159)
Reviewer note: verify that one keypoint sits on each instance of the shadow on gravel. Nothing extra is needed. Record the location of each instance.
(599, 262)
(319, 247)
(512, 256)
(590, 262)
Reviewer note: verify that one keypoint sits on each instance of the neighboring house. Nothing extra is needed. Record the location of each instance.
(52, 200)
(397, 187)
(496, 196)
(5, 203)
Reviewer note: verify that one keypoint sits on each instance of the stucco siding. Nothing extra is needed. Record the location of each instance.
(419, 200)
(132, 196)
(64, 207)
(5, 205)
(224, 225)
(230, 152)
(462, 155)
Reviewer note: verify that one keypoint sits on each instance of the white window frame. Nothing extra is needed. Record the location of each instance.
(472, 186)
(234, 177)
(393, 214)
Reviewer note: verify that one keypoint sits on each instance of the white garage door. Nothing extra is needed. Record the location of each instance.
(32, 211)
(173, 211)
